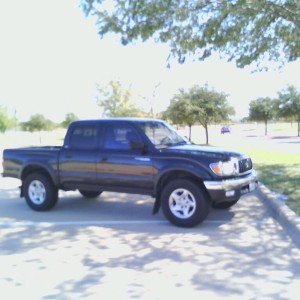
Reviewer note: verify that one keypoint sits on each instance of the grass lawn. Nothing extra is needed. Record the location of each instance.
(280, 172)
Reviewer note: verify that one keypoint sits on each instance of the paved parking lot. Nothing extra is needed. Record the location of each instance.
(113, 247)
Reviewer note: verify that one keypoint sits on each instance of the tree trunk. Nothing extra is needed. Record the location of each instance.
(266, 127)
(298, 125)
(206, 133)
(190, 132)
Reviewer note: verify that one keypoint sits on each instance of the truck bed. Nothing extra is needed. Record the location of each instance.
(14, 160)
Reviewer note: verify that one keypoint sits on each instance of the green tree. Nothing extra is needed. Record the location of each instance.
(263, 109)
(69, 118)
(210, 107)
(289, 104)
(38, 122)
(5, 120)
(181, 111)
(245, 30)
(199, 105)
(116, 101)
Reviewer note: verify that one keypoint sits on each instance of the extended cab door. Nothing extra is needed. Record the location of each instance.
(119, 166)
(78, 156)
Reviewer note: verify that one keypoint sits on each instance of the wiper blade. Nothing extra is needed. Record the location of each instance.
(165, 145)
(179, 143)
(176, 143)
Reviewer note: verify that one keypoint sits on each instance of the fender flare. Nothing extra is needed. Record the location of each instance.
(36, 166)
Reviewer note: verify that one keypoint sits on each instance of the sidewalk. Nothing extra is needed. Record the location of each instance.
(281, 212)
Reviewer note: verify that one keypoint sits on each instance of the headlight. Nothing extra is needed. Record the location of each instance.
(225, 168)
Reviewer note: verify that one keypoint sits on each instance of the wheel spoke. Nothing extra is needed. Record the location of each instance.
(190, 203)
(177, 208)
(186, 210)
(176, 198)
(185, 194)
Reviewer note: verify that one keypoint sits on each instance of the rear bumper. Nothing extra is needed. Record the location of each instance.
(231, 189)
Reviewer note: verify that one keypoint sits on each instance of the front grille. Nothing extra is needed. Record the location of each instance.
(245, 165)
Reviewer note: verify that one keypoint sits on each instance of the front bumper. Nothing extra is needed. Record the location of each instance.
(231, 189)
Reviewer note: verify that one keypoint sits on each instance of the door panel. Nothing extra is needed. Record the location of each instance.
(77, 166)
(120, 166)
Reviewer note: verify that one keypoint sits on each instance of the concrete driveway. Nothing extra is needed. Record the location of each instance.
(112, 247)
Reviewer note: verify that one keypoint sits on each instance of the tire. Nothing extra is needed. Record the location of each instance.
(224, 205)
(39, 192)
(184, 203)
(89, 194)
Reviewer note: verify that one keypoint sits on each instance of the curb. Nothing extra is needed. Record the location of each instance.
(282, 213)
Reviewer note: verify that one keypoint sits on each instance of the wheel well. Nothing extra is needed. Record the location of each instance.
(33, 169)
(166, 178)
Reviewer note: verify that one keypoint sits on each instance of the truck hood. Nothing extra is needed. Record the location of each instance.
(208, 151)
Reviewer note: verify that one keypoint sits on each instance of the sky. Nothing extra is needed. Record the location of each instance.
(51, 60)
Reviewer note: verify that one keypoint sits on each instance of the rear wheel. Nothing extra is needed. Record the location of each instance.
(39, 192)
(89, 194)
(183, 203)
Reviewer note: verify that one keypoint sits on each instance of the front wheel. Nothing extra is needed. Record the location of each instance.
(184, 203)
(39, 192)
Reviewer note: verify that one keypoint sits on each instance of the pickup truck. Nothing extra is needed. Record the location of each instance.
(133, 155)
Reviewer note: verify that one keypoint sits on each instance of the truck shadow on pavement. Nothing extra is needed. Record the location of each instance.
(108, 208)
(241, 253)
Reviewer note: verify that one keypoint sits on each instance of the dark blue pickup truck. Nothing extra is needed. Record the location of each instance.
(132, 155)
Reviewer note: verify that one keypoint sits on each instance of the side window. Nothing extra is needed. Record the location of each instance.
(84, 137)
(119, 136)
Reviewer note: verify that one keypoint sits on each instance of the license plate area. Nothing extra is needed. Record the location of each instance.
(249, 187)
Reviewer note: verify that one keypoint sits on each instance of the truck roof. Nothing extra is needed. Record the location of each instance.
(120, 119)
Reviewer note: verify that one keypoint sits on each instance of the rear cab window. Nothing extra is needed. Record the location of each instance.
(84, 136)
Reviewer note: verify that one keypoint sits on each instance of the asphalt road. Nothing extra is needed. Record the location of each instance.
(112, 247)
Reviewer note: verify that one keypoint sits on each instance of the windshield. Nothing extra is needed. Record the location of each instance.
(162, 135)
